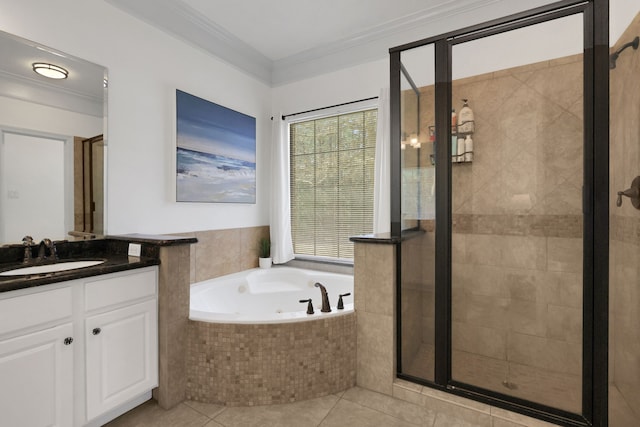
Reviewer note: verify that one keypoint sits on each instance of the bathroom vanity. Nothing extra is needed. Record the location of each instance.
(78, 347)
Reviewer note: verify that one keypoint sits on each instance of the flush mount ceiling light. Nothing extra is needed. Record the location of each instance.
(49, 70)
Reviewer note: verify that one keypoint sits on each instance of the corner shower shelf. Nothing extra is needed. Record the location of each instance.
(461, 132)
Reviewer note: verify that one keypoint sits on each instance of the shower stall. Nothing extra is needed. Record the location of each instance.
(508, 292)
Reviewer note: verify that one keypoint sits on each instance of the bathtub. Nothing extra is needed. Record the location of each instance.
(251, 342)
(268, 296)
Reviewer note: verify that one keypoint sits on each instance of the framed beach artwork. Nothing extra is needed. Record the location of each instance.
(216, 152)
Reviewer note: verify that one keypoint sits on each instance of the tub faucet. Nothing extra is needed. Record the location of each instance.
(326, 308)
(42, 250)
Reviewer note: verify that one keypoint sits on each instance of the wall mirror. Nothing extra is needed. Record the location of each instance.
(52, 144)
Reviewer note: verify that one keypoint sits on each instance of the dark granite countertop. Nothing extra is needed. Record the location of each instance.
(112, 264)
(112, 249)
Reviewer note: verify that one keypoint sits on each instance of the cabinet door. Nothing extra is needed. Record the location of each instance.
(122, 356)
(36, 374)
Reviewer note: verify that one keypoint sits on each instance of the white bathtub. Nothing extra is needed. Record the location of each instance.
(268, 296)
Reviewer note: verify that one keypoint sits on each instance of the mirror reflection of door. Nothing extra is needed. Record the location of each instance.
(33, 177)
(88, 186)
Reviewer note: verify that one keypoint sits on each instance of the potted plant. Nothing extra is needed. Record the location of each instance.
(264, 251)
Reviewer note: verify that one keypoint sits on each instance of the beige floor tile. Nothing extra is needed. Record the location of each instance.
(445, 420)
(503, 418)
(339, 394)
(149, 414)
(396, 408)
(351, 414)
(356, 407)
(498, 422)
(208, 409)
(298, 414)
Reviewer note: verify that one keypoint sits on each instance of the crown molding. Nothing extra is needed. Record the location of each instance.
(185, 23)
(394, 29)
(374, 44)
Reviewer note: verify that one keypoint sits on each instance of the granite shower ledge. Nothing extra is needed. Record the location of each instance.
(386, 238)
(155, 239)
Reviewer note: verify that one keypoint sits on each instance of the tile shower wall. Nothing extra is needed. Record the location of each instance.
(624, 274)
(517, 235)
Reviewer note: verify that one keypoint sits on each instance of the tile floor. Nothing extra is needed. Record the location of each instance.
(355, 407)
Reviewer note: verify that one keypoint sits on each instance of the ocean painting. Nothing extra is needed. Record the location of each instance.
(216, 152)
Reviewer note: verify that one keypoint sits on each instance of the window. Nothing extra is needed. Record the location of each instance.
(332, 175)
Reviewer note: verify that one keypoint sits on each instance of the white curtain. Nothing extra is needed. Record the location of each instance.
(382, 183)
(280, 211)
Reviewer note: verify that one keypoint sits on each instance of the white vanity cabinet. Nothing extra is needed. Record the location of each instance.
(80, 352)
(121, 336)
(36, 359)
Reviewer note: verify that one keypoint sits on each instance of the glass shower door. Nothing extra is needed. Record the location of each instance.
(517, 220)
(513, 312)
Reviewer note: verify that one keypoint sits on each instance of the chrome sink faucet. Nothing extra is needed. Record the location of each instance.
(326, 308)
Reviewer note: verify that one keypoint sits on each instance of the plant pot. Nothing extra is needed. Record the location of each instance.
(264, 262)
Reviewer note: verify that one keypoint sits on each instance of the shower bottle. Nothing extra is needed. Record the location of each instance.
(466, 119)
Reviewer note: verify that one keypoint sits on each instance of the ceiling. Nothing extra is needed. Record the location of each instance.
(287, 27)
(287, 40)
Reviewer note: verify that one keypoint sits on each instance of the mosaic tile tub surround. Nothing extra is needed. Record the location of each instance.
(239, 364)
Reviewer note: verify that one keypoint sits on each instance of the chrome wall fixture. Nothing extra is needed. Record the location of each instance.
(614, 56)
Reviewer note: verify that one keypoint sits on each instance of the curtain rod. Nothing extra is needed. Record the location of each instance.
(331, 106)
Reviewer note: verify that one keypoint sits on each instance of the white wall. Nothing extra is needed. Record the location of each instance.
(145, 67)
(350, 84)
(621, 13)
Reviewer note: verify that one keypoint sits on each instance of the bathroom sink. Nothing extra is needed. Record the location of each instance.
(50, 268)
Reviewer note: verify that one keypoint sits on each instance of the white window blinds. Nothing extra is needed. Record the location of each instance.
(332, 179)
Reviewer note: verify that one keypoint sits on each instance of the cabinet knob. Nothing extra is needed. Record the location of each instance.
(96, 331)
(68, 340)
